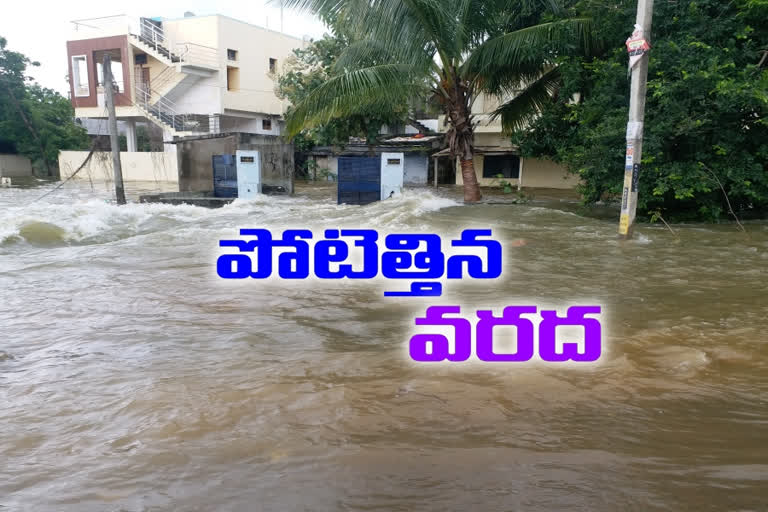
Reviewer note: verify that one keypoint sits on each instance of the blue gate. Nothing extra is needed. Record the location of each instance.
(359, 180)
(224, 176)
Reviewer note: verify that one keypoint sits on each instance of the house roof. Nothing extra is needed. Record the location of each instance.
(412, 139)
(483, 150)
(401, 144)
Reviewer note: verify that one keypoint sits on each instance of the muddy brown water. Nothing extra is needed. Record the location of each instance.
(132, 379)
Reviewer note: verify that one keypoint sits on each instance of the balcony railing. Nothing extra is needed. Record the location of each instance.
(167, 113)
(150, 33)
(105, 25)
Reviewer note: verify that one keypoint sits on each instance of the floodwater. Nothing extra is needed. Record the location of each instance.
(133, 379)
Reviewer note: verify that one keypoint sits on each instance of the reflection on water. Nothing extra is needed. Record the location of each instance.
(133, 379)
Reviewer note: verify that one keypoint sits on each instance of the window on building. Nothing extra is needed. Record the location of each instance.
(506, 165)
(231, 54)
(266, 124)
(273, 65)
(233, 78)
(80, 75)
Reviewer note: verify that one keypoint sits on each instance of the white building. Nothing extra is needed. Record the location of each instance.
(193, 75)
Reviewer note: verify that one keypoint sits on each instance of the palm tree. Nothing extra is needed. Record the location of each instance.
(455, 50)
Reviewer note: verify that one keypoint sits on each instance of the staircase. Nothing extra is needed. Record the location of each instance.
(420, 127)
(186, 63)
(165, 114)
(151, 39)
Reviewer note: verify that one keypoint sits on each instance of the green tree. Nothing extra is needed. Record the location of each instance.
(34, 121)
(311, 67)
(705, 113)
(453, 49)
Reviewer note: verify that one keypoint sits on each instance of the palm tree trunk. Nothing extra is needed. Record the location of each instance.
(460, 137)
(468, 176)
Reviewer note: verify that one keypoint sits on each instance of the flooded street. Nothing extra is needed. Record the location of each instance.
(133, 379)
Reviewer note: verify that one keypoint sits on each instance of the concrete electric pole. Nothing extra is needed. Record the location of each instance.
(109, 93)
(638, 48)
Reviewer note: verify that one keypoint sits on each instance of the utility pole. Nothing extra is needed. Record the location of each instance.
(113, 136)
(638, 49)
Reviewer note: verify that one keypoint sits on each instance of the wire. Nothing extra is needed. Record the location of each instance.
(87, 159)
(94, 145)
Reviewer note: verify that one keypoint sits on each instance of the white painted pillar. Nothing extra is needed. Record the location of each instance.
(520, 175)
(130, 136)
(168, 137)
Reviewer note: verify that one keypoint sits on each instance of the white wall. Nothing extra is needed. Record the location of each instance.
(255, 46)
(202, 97)
(153, 166)
(15, 166)
(202, 30)
(248, 124)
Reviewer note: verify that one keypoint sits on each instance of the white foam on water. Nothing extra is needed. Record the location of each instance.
(89, 220)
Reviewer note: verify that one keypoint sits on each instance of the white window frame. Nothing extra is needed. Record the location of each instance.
(80, 92)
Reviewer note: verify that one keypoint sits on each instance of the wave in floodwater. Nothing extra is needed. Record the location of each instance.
(95, 221)
(132, 379)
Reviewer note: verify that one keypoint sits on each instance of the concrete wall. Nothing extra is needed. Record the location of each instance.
(535, 172)
(543, 173)
(416, 169)
(136, 166)
(203, 30)
(328, 162)
(15, 166)
(196, 164)
(201, 97)
(195, 160)
(277, 167)
(494, 140)
(250, 124)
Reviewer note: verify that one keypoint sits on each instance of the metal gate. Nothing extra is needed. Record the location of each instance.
(359, 180)
(224, 176)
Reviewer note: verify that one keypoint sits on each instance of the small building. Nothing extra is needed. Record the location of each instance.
(195, 160)
(417, 150)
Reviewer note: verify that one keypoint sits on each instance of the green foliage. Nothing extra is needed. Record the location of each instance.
(451, 49)
(504, 185)
(34, 121)
(307, 71)
(706, 109)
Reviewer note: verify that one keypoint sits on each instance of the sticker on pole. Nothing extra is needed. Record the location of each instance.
(637, 46)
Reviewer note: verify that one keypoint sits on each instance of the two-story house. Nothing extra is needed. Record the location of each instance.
(190, 76)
